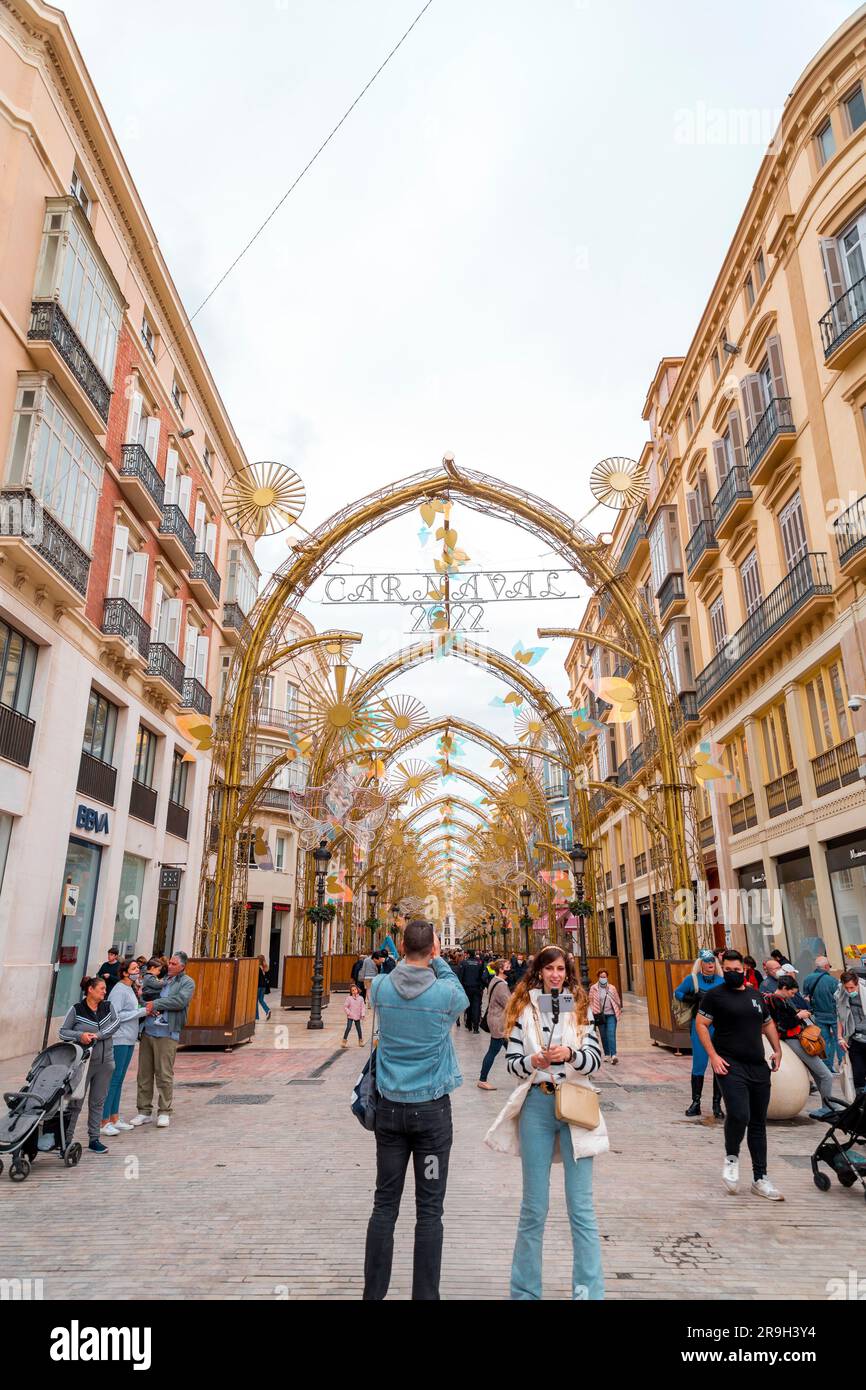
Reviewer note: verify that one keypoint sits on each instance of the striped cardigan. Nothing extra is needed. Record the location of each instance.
(522, 1046)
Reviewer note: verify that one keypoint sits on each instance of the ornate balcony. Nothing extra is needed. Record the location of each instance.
(783, 794)
(16, 736)
(42, 549)
(96, 779)
(843, 327)
(176, 536)
(850, 532)
(57, 348)
(126, 630)
(672, 596)
(195, 696)
(165, 672)
(142, 802)
(733, 498)
(770, 439)
(805, 587)
(701, 550)
(688, 702)
(744, 815)
(204, 580)
(634, 546)
(838, 767)
(140, 483)
(232, 623)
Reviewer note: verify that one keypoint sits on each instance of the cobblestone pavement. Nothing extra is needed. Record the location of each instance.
(262, 1185)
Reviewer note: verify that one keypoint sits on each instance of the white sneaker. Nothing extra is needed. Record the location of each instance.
(163, 1122)
(764, 1188)
(140, 1120)
(121, 1124)
(109, 1129)
(731, 1173)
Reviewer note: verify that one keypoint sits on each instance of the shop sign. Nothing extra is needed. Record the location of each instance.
(88, 818)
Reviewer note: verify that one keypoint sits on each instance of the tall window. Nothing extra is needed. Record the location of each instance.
(855, 108)
(793, 531)
(825, 142)
(100, 727)
(128, 570)
(143, 426)
(718, 624)
(49, 455)
(145, 756)
(280, 856)
(826, 702)
(17, 668)
(751, 580)
(750, 290)
(776, 739)
(179, 779)
(148, 337)
(242, 583)
(760, 268)
(665, 556)
(71, 269)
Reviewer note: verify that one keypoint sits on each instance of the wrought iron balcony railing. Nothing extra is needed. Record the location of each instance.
(838, 767)
(850, 531)
(96, 778)
(744, 815)
(807, 579)
(48, 323)
(637, 534)
(844, 317)
(233, 616)
(174, 523)
(195, 696)
(735, 486)
(776, 419)
(55, 545)
(783, 794)
(689, 706)
(16, 736)
(672, 590)
(120, 619)
(203, 568)
(702, 539)
(706, 832)
(166, 664)
(136, 463)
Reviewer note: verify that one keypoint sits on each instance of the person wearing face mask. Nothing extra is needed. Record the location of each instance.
(851, 1016)
(605, 1006)
(706, 974)
(741, 1020)
(790, 1020)
(552, 1043)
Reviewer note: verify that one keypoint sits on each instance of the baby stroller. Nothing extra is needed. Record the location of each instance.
(36, 1119)
(847, 1163)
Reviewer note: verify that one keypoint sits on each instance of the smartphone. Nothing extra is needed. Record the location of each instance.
(566, 1004)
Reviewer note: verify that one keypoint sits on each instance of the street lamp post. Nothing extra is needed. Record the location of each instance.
(322, 858)
(526, 920)
(503, 926)
(395, 928)
(373, 922)
(578, 856)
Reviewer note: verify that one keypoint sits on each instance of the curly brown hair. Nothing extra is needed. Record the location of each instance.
(532, 980)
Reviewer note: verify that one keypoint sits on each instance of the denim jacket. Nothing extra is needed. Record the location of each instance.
(416, 1009)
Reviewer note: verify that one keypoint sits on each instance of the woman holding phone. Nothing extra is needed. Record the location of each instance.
(552, 1043)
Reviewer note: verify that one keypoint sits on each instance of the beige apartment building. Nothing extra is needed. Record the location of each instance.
(122, 585)
(751, 550)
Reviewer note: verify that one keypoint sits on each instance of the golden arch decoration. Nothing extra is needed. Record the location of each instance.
(457, 802)
(219, 915)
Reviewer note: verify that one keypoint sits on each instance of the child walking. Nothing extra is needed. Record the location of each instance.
(355, 1010)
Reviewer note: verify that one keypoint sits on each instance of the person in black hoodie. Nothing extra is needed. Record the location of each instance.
(109, 970)
(473, 982)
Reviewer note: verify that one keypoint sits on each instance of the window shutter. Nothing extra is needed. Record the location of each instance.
(199, 525)
(156, 609)
(171, 609)
(136, 406)
(735, 433)
(151, 438)
(136, 581)
(834, 272)
(720, 459)
(753, 401)
(777, 366)
(189, 652)
(210, 540)
(201, 651)
(170, 477)
(184, 494)
(118, 561)
(693, 507)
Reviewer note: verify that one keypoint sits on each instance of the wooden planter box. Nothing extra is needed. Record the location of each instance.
(662, 978)
(223, 1008)
(298, 981)
(341, 970)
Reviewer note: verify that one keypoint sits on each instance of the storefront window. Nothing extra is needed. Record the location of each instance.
(800, 909)
(127, 918)
(82, 870)
(846, 863)
(756, 913)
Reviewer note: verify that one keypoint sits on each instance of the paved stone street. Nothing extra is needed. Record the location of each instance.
(261, 1188)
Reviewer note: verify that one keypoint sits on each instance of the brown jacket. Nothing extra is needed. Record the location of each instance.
(498, 995)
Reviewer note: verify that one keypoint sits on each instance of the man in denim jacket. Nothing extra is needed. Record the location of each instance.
(416, 1069)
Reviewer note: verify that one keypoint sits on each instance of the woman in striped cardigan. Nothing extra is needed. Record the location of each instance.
(548, 1048)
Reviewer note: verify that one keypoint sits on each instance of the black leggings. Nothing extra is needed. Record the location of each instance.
(857, 1053)
(746, 1091)
(357, 1023)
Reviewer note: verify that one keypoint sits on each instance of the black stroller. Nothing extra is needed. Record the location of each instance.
(37, 1113)
(846, 1162)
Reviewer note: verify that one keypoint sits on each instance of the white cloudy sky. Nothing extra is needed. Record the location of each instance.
(489, 259)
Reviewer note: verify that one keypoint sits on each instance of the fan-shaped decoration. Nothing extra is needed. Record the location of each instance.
(413, 782)
(264, 498)
(330, 707)
(529, 728)
(401, 715)
(618, 482)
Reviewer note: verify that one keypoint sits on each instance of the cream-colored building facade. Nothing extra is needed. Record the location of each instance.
(751, 550)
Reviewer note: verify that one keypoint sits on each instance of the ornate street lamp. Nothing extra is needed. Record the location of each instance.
(372, 923)
(578, 856)
(503, 926)
(395, 927)
(321, 858)
(525, 919)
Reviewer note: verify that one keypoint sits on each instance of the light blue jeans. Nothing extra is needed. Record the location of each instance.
(831, 1039)
(539, 1128)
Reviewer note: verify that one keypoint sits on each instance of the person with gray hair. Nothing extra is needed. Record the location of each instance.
(162, 1030)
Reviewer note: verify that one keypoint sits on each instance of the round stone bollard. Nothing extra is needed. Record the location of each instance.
(789, 1087)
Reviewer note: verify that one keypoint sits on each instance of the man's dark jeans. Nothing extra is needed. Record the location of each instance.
(420, 1131)
(473, 1013)
(746, 1093)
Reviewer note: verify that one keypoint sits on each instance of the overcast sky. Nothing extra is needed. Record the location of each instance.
(489, 259)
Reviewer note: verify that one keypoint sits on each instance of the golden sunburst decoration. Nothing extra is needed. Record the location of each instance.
(529, 728)
(618, 482)
(330, 705)
(402, 715)
(264, 498)
(413, 782)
